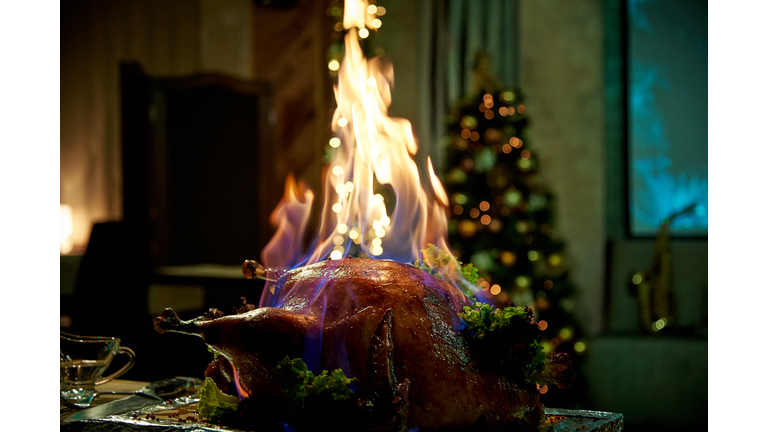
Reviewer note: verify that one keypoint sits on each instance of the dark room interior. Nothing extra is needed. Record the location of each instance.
(570, 137)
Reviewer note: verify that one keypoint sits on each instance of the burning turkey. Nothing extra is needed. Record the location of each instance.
(398, 331)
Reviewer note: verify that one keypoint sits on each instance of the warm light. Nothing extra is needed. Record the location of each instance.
(371, 82)
(484, 206)
(363, 33)
(333, 65)
(487, 97)
(506, 148)
(521, 109)
(525, 154)
(376, 23)
(380, 11)
(465, 133)
(385, 220)
(377, 225)
(65, 229)
(336, 208)
(485, 220)
(349, 186)
(342, 122)
(338, 26)
(376, 242)
(338, 240)
(334, 142)
(495, 289)
(543, 325)
(336, 254)
(380, 232)
(377, 250)
(489, 114)
(503, 111)
(507, 258)
(337, 170)
(372, 9)
(474, 136)
(354, 233)
(457, 209)
(341, 228)
(488, 103)
(516, 142)
(474, 213)
(543, 389)
(378, 199)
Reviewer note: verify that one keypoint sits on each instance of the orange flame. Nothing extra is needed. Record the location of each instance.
(375, 148)
(290, 217)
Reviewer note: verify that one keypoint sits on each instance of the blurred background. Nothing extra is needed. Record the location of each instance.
(180, 121)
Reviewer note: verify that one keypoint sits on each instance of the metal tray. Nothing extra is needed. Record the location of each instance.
(165, 417)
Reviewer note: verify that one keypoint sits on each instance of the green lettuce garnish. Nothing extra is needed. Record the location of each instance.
(214, 404)
(299, 382)
(483, 318)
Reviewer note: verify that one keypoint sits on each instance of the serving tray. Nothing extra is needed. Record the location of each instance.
(180, 415)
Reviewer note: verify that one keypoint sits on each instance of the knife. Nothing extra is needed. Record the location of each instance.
(152, 394)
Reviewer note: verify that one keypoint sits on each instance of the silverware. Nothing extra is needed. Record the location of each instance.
(152, 394)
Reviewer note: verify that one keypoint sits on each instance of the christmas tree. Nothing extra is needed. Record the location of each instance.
(503, 215)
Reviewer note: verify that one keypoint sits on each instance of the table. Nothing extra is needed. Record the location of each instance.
(560, 420)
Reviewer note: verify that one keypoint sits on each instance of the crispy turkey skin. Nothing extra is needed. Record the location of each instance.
(392, 326)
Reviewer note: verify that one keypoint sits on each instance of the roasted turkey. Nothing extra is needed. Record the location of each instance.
(391, 326)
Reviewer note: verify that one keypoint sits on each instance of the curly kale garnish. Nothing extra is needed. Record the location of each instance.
(509, 338)
(441, 263)
(482, 318)
(558, 370)
(299, 382)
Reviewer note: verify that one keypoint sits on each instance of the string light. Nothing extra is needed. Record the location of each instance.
(337, 170)
(336, 208)
(341, 228)
(372, 9)
(376, 23)
(484, 206)
(333, 65)
(363, 33)
(338, 240)
(371, 82)
(334, 142)
(380, 11)
(378, 199)
(495, 289)
(342, 122)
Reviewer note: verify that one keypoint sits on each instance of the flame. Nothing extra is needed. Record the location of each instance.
(290, 217)
(373, 152)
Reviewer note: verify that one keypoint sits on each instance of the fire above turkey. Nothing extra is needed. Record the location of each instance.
(398, 337)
